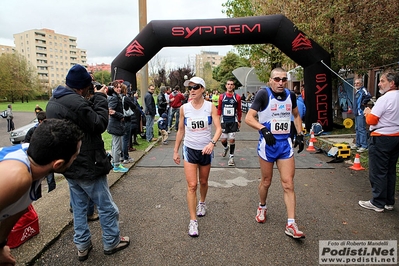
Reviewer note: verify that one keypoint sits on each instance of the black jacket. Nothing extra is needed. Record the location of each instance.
(116, 125)
(149, 104)
(92, 117)
(162, 103)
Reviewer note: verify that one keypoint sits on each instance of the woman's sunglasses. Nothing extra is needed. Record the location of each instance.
(195, 87)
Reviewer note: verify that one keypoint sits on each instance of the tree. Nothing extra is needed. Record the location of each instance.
(159, 79)
(18, 79)
(225, 70)
(358, 34)
(178, 76)
(210, 83)
(103, 77)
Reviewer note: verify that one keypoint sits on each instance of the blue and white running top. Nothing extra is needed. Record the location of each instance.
(18, 153)
(198, 125)
(277, 115)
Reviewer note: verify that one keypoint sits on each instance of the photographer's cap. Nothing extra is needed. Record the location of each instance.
(196, 80)
(78, 77)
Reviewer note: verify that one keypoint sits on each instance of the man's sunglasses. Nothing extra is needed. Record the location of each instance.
(195, 87)
(278, 79)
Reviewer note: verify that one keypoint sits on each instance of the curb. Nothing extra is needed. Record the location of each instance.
(54, 215)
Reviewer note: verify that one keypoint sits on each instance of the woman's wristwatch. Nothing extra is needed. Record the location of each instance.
(213, 142)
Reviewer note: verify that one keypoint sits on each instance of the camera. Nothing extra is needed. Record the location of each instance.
(96, 86)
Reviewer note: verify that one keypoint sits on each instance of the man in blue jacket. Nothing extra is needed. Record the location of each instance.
(362, 97)
(87, 176)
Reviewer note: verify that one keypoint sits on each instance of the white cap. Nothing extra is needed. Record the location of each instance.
(195, 80)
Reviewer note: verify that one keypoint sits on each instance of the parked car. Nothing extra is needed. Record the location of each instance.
(18, 135)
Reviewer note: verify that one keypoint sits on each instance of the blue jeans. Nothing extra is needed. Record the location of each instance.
(149, 130)
(173, 112)
(98, 191)
(361, 132)
(116, 149)
(126, 139)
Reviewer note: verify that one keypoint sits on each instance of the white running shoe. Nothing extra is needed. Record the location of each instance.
(193, 228)
(201, 209)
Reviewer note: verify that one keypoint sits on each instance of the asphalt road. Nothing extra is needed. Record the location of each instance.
(20, 119)
(153, 213)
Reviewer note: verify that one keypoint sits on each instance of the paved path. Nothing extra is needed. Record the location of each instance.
(154, 214)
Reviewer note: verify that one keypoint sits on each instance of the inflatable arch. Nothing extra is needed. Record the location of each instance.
(273, 29)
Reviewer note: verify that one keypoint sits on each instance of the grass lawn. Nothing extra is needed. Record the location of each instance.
(23, 107)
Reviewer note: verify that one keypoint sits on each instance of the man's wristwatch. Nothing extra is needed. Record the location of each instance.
(213, 142)
(3, 244)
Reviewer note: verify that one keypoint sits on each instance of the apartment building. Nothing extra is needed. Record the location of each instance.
(99, 67)
(51, 53)
(5, 49)
(206, 56)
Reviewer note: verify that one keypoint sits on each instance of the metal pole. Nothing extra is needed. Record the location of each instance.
(144, 70)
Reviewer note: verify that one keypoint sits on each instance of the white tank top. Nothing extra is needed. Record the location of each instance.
(198, 125)
(18, 153)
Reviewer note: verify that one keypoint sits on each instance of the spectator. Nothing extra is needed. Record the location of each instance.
(275, 143)
(41, 116)
(167, 94)
(302, 111)
(383, 144)
(161, 101)
(176, 99)
(362, 97)
(163, 128)
(53, 148)
(10, 119)
(150, 112)
(303, 91)
(87, 177)
(116, 126)
(128, 113)
(197, 147)
(38, 109)
(137, 123)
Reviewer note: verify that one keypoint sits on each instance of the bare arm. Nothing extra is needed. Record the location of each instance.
(251, 120)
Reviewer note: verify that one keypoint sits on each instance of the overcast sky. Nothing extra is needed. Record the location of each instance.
(105, 27)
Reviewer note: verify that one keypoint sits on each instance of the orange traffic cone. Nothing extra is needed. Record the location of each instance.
(356, 164)
(312, 138)
(311, 147)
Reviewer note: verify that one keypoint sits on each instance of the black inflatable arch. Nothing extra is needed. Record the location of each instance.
(274, 29)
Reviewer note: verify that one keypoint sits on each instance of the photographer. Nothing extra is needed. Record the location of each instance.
(87, 176)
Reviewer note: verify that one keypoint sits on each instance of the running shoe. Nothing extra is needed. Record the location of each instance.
(201, 209)
(120, 169)
(225, 150)
(368, 205)
(261, 215)
(231, 162)
(193, 228)
(388, 207)
(293, 231)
